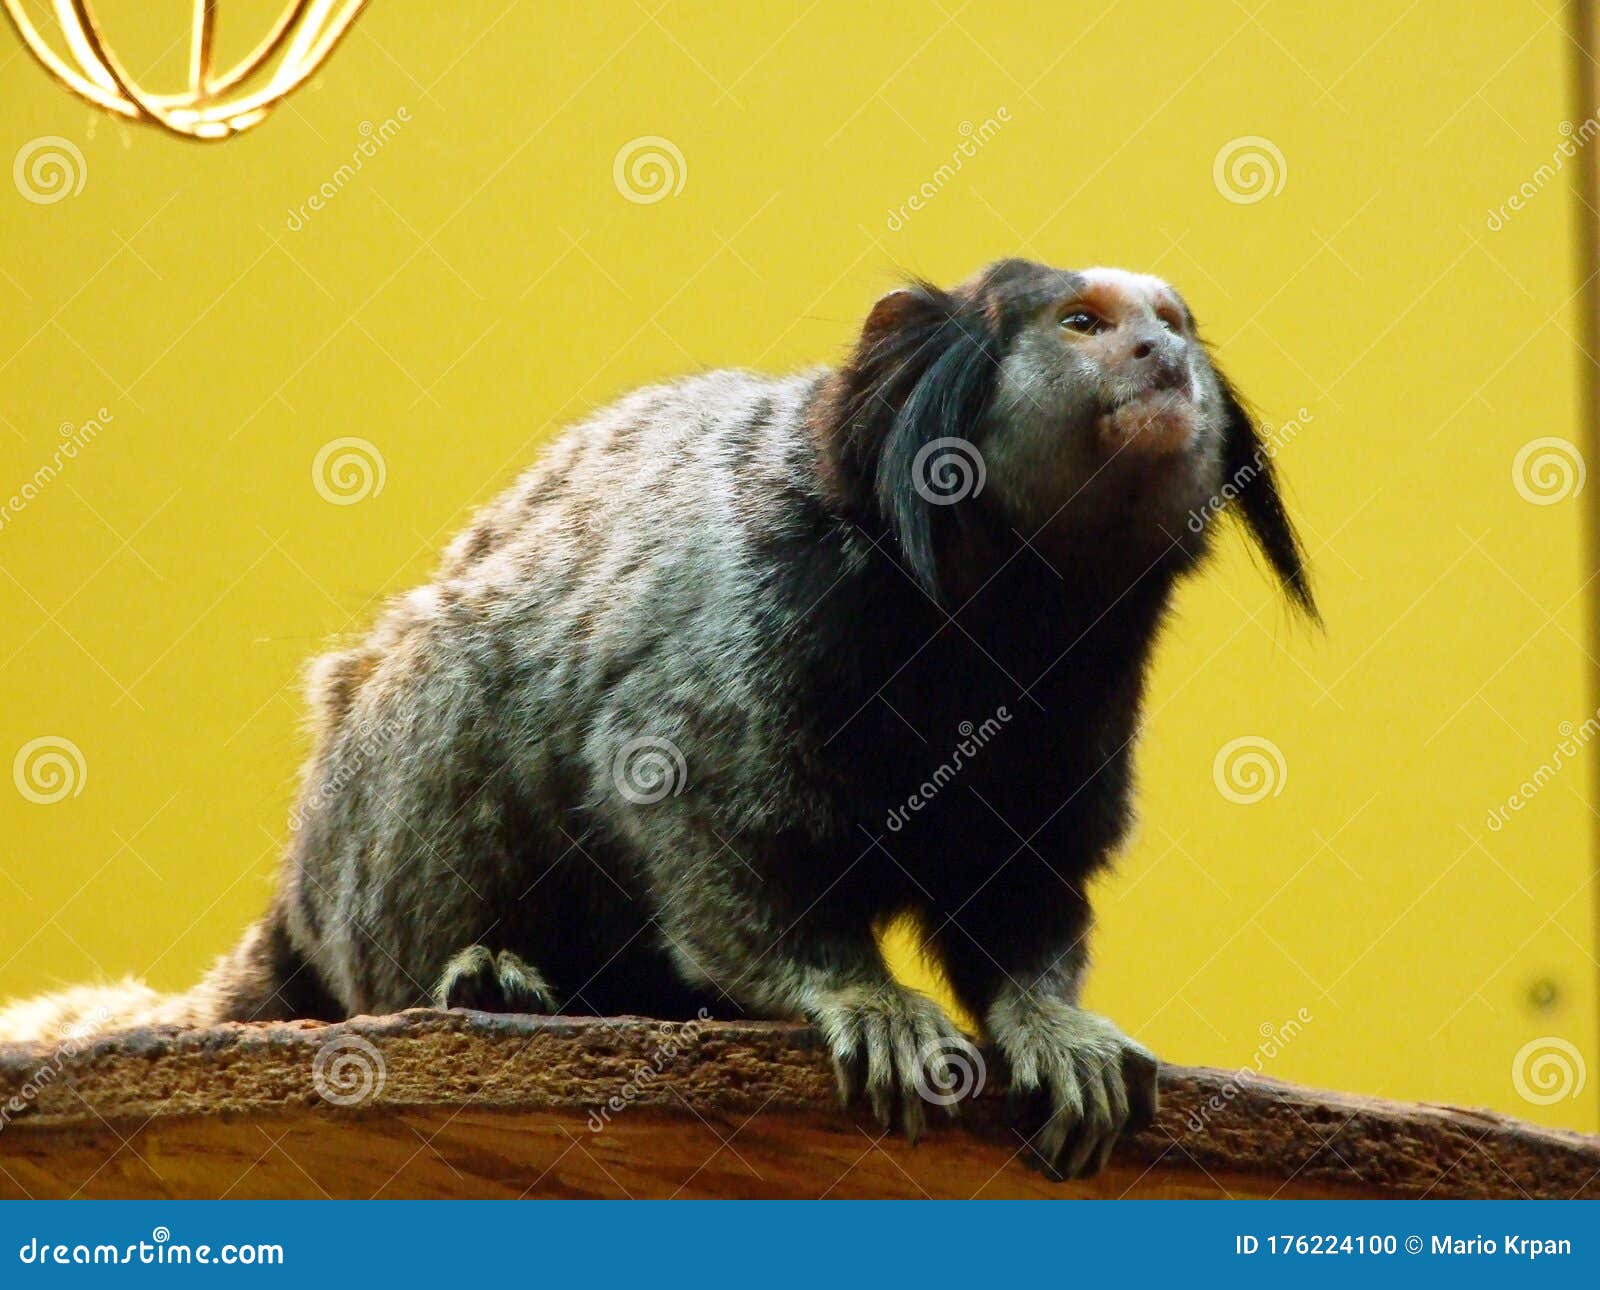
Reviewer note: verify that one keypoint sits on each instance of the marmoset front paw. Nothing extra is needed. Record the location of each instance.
(896, 1046)
(1077, 1082)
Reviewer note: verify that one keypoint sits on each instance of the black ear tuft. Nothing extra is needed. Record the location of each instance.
(923, 371)
(930, 463)
(1247, 468)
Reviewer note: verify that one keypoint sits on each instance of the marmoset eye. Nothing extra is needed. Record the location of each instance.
(1083, 320)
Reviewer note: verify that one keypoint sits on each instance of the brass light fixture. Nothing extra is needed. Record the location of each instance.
(217, 104)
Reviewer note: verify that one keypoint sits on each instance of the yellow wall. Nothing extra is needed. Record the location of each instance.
(482, 281)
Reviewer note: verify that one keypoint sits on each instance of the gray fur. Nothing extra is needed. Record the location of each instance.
(563, 624)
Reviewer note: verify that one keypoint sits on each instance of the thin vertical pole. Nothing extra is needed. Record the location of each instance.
(1585, 43)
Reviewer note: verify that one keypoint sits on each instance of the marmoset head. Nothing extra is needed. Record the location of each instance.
(1077, 409)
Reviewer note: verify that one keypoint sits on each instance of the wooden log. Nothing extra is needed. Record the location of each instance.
(462, 1104)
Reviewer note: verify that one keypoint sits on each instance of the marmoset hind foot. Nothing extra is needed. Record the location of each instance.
(479, 979)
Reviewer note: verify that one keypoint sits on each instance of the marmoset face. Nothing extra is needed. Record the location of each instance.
(1107, 410)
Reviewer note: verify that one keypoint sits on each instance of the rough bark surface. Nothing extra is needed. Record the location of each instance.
(471, 1104)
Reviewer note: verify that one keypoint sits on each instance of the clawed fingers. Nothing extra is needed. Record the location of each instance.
(1078, 1084)
(1084, 1090)
(897, 1049)
(1140, 1069)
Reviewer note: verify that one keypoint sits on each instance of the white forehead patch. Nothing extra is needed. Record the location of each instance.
(1142, 286)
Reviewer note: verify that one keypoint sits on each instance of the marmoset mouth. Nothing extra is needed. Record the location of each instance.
(1158, 421)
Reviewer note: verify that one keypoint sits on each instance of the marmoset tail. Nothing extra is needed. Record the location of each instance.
(747, 667)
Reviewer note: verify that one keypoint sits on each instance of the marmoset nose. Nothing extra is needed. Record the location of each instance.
(1157, 357)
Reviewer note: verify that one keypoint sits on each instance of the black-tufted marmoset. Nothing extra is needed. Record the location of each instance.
(686, 716)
